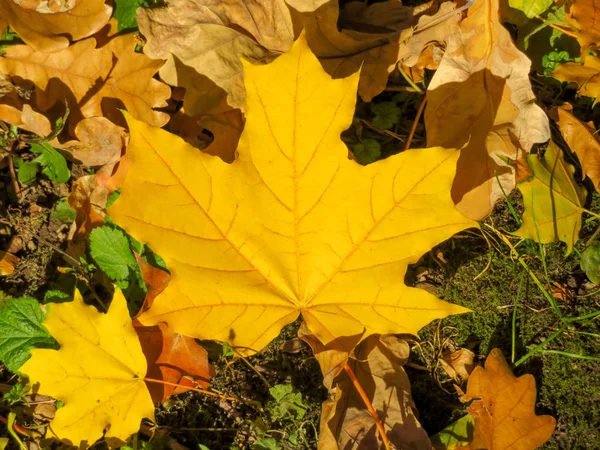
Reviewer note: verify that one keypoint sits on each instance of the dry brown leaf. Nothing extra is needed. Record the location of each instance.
(503, 408)
(49, 30)
(584, 17)
(99, 81)
(8, 261)
(458, 364)
(582, 140)
(203, 41)
(480, 99)
(375, 39)
(377, 364)
(586, 76)
(14, 112)
(100, 142)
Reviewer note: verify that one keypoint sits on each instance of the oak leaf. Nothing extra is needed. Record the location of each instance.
(50, 30)
(99, 81)
(481, 99)
(377, 363)
(14, 112)
(98, 372)
(375, 38)
(553, 200)
(292, 225)
(582, 140)
(208, 38)
(583, 16)
(503, 408)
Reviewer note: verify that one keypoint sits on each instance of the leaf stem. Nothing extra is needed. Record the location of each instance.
(556, 27)
(202, 391)
(415, 123)
(369, 405)
(409, 80)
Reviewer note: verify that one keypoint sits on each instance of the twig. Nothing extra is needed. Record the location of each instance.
(415, 123)
(13, 176)
(202, 391)
(556, 27)
(369, 405)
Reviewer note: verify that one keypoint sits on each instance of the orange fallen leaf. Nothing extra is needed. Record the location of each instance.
(8, 262)
(49, 30)
(503, 408)
(376, 37)
(458, 364)
(586, 76)
(14, 112)
(582, 139)
(94, 81)
(584, 17)
(480, 99)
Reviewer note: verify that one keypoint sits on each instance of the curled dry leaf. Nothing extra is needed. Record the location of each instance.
(8, 262)
(14, 112)
(553, 200)
(582, 139)
(208, 38)
(377, 364)
(100, 142)
(503, 408)
(458, 364)
(584, 17)
(230, 260)
(94, 81)
(586, 76)
(50, 29)
(376, 37)
(480, 99)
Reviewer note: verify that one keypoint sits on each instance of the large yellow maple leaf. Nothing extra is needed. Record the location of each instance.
(98, 372)
(292, 225)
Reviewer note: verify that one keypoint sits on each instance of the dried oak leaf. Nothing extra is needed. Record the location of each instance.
(480, 99)
(377, 37)
(100, 142)
(584, 17)
(98, 372)
(97, 81)
(14, 112)
(377, 362)
(51, 30)
(291, 226)
(208, 37)
(581, 139)
(553, 200)
(586, 76)
(458, 364)
(503, 408)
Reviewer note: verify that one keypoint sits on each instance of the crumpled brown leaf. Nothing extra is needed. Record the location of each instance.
(208, 38)
(94, 81)
(14, 112)
(374, 38)
(458, 364)
(503, 408)
(480, 99)
(377, 364)
(582, 139)
(584, 17)
(100, 142)
(48, 27)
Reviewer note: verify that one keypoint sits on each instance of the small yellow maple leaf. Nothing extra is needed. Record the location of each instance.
(98, 372)
(292, 225)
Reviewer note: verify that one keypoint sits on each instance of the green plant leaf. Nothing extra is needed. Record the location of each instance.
(27, 172)
(267, 443)
(55, 165)
(590, 262)
(125, 14)
(17, 394)
(287, 401)
(455, 435)
(64, 212)
(367, 151)
(110, 249)
(387, 115)
(531, 8)
(21, 330)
